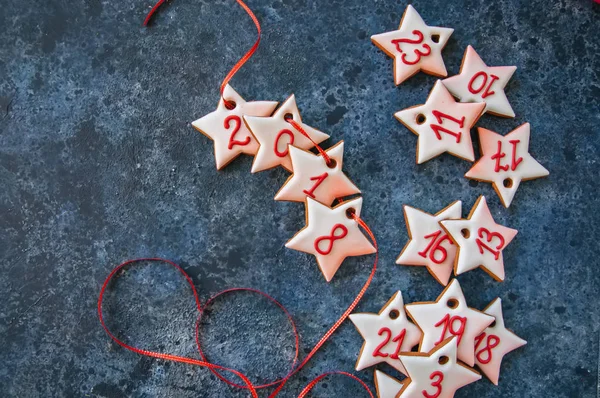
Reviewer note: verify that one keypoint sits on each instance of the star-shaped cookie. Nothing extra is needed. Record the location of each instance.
(494, 343)
(314, 178)
(225, 126)
(275, 133)
(414, 46)
(436, 374)
(449, 316)
(477, 82)
(331, 235)
(442, 124)
(429, 245)
(505, 161)
(386, 334)
(480, 241)
(386, 386)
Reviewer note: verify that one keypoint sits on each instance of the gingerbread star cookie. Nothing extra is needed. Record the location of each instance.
(331, 235)
(442, 124)
(386, 334)
(477, 82)
(414, 46)
(494, 343)
(480, 241)
(429, 245)
(436, 374)
(314, 178)
(386, 386)
(225, 127)
(505, 162)
(449, 316)
(275, 133)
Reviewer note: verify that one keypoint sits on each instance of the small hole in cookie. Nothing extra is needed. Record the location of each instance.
(452, 303)
(443, 360)
(288, 116)
(435, 38)
(415, 348)
(492, 324)
(229, 104)
(421, 118)
(508, 183)
(331, 164)
(350, 213)
(394, 314)
(465, 233)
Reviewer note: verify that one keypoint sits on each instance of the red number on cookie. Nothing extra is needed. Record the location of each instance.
(437, 128)
(319, 180)
(449, 323)
(491, 343)
(499, 155)
(238, 123)
(417, 52)
(483, 85)
(437, 383)
(489, 236)
(331, 238)
(276, 147)
(436, 245)
(398, 339)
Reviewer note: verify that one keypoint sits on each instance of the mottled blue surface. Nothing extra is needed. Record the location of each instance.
(99, 164)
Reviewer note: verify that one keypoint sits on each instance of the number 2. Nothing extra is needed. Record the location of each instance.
(238, 123)
(398, 339)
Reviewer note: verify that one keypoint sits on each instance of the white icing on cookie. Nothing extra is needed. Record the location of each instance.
(414, 46)
(387, 386)
(436, 374)
(275, 133)
(330, 235)
(449, 316)
(506, 161)
(314, 178)
(480, 241)
(477, 82)
(494, 343)
(429, 245)
(386, 334)
(227, 129)
(442, 124)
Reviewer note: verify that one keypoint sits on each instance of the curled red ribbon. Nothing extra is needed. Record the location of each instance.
(214, 367)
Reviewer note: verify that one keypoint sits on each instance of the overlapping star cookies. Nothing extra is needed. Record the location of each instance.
(331, 235)
(505, 162)
(274, 134)
(225, 126)
(414, 46)
(449, 316)
(437, 373)
(477, 82)
(442, 124)
(386, 334)
(316, 179)
(494, 343)
(480, 241)
(429, 245)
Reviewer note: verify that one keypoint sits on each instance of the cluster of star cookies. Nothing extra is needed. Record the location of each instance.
(443, 124)
(450, 338)
(280, 138)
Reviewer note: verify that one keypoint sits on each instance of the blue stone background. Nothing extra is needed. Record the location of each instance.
(99, 164)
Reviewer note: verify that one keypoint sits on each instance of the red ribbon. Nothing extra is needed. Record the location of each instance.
(214, 367)
(298, 127)
(241, 61)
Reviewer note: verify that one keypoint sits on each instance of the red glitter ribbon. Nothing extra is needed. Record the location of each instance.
(214, 367)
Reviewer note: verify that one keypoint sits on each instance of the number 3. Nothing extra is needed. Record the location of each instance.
(439, 376)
